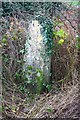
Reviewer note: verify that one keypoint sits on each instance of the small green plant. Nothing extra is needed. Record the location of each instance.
(61, 33)
(39, 80)
(61, 41)
(75, 3)
(78, 44)
(0, 108)
(4, 41)
(49, 109)
(33, 81)
(48, 87)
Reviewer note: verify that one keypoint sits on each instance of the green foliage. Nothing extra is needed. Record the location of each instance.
(78, 39)
(49, 87)
(4, 40)
(5, 58)
(40, 80)
(17, 75)
(1, 109)
(22, 51)
(49, 37)
(78, 44)
(49, 109)
(34, 77)
(9, 8)
(61, 33)
(61, 41)
(47, 33)
(75, 3)
(33, 81)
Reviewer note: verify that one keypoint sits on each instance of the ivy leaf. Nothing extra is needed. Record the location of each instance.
(60, 33)
(49, 87)
(29, 81)
(13, 108)
(1, 109)
(78, 38)
(78, 46)
(22, 51)
(30, 67)
(75, 3)
(4, 40)
(61, 41)
(49, 109)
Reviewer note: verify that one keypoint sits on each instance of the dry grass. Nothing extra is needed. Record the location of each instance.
(62, 105)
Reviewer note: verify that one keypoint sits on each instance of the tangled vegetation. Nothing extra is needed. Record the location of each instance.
(23, 87)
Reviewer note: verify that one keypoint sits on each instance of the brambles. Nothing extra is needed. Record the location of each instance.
(40, 43)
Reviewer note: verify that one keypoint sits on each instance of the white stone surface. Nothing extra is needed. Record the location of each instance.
(35, 49)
